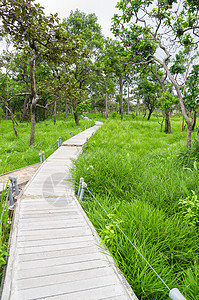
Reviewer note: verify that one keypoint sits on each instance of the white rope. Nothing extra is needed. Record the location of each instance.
(129, 240)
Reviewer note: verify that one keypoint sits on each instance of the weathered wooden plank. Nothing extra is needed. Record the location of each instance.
(38, 272)
(55, 241)
(54, 252)
(59, 261)
(99, 293)
(52, 233)
(71, 287)
(62, 278)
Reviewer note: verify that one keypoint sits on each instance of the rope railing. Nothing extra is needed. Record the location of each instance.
(174, 293)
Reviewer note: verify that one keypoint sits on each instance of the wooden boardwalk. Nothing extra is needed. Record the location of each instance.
(55, 252)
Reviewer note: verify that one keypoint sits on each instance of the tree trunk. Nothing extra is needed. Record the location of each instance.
(95, 107)
(35, 97)
(198, 136)
(194, 120)
(13, 120)
(150, 113)
(25, 103)
(33, 122)
(55, 110)
(121, 96)
(182, 106)
(76, 119)
(66, 109)
(167, 123)
(128, 102)
(106, 106)
(182, 123)
(189, 131)
(137, 108)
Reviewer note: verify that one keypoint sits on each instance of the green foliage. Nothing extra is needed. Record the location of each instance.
(4, 230)
(16, 153)
(189, 208)
(167, 100)
(190, 158)
(135, 173)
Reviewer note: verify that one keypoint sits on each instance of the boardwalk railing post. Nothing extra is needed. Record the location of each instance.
(84, 186)
(40, 155)
(80, 186)
(14, 178)
(71, 133)
(43, 155)
(60, 140)
(10, 194)
(176, 295)
(57, 143)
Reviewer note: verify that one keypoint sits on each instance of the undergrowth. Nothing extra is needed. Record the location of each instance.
(15, 152)
(138, 174)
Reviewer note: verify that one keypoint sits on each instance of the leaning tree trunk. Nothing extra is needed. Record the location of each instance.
(106, 106)
(194, 120)
(121, 96)
(150, 113)
(182, 106)
(13, 120)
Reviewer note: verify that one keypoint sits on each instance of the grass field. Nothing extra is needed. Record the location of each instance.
(15, 152)
(148, 183)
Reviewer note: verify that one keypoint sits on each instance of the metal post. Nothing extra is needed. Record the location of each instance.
(14, 179)
(175, 294)
(79, 130)
(10, 194)
(57, 143)
(85, 127)
(84, 186)
(60, 140)
(40, 155)
(80, 186)
(71, 133)
(43, 155)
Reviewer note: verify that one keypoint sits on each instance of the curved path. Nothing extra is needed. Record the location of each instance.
(55, 252)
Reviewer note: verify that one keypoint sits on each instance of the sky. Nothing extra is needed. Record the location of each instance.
(104, 10)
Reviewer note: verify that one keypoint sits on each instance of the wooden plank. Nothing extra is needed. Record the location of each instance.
(62, 278)
(38, 272)
(71, 287)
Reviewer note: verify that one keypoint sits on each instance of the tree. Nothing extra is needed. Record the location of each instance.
(42, 36)
(78, 24)
(144, 28)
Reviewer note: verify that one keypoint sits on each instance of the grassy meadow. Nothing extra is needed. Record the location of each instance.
(15, 152)
(148, 183)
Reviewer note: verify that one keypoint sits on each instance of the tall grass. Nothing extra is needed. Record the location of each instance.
(4, 230)
(137, 174)
(15, 152)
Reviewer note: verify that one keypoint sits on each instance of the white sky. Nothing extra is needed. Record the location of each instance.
(104, 10)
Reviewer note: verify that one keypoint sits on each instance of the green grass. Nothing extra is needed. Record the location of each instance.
(4, 230)
(137, 173)
(15, 152)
